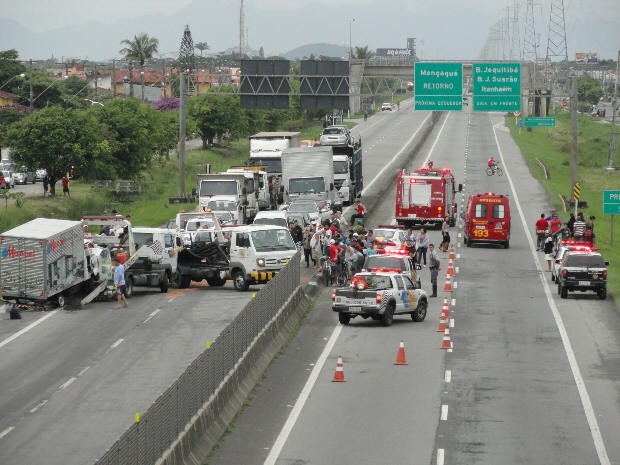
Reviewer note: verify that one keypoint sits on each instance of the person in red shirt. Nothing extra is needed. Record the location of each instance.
(360, 212)
(491, 162)
(334, 251)
(555, 224)
(541, 229)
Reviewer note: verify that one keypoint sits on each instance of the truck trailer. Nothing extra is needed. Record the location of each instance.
(308, 174)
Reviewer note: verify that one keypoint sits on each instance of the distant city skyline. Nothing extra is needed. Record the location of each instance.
(444, 29)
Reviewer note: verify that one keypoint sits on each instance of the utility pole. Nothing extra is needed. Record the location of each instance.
(113, 78)
(614, 109)
(573, 118)
(182, 134)
(31, 99)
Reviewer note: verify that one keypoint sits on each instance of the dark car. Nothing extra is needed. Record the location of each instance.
(583, 272)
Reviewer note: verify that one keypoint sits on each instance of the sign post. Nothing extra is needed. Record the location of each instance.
(497, 86)
(438, 86)
(611, 206)
(576, 195)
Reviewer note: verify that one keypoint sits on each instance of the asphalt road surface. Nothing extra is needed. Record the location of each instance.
(531, 378)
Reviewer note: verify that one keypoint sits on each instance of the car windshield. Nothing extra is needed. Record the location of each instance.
(330, 131)
(377, 282)
(303, 207)
(341, 167)
(272, 165)
(274, 221)
(195, 225)
(209, 187)
(306, 185)
(272, 239)
(383, 261)
(142, 238)
(584, 260)
(222, 205)
(385, 233)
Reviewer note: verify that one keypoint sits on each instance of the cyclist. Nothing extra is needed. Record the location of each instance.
(491, 163)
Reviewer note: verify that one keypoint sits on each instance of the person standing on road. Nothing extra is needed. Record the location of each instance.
(445, 234)
(308, 233)
(541, 230)
(548, 249)
(423, 243)
(434, 266)
(119, 283)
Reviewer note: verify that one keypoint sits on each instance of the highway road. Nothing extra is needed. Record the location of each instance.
(531, 379)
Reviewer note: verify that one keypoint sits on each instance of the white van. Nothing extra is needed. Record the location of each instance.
(158, 244)
(274, 217)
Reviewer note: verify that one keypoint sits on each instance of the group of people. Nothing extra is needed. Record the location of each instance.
(346, 245)
(550, 231)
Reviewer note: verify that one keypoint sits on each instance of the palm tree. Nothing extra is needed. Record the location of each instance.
(363, 53)
(202, 46)
(139, 50)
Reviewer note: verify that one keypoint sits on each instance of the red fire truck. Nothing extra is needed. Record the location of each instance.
(426, 196)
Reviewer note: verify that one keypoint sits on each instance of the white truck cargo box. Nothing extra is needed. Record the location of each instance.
(41, 258)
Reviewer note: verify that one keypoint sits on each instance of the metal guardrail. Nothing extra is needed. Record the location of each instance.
(146, 440)
(122, 186)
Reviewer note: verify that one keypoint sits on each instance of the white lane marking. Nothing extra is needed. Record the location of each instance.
(456, 270)
(453, 302)
(597, 437)
(84, 370)
(451, 322)
(430, 152)
(28, 328)
(117, 343)
(440, 455)
(455, 285)
(448, 376)
(170, 300)
(38, 406)
(274, 453)
(389, 165)
(152, 314)
(67, 383)
(7, 431)
(444, 412)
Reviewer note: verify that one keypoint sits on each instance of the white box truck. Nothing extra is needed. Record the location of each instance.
(308, 173)
(45, 259)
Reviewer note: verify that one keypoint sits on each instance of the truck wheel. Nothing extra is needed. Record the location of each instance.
(60, 301)
(506, 244)
(602, 293)
(467, 242)
(216, 281)
(344, 318)
(420, 313)
(241, 282)
(563, 292)
(129, 287)
(388, 315)
(164, 282)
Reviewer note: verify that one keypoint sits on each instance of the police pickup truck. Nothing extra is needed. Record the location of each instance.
(380, 296)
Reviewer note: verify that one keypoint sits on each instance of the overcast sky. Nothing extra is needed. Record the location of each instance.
(444, 29)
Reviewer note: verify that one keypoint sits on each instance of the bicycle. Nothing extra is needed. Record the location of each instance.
(495, 169)
(344, 275)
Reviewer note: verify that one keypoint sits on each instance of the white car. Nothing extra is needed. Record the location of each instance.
(386, 106)
(335, 135)
(273, 217)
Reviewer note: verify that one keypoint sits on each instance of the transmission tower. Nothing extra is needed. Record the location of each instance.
(556, 40)
(515, 35)
(241, 31)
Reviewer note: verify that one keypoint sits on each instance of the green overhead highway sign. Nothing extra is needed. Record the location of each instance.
(611, 202)
(532, 121)
(438, 86)
(497, 86)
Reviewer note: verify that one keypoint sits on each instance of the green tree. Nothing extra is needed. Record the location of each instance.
(139, 50)
(363, 53)
(202, 46)
(56, 138)
(10, 71)
(132, 130)
(215, 115)
(589, 89)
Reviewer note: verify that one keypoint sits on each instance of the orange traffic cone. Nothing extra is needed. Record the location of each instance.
(448, 286)
(443, 324)
(446, 343)
(451, 256)
(339, 374)
(445, 311)
(450, 271)
(400, 356)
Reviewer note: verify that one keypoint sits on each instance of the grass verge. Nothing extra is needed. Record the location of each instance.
(552, 147)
